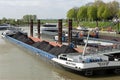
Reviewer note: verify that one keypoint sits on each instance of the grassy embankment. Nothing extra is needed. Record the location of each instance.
(83, 23)
(101, 24)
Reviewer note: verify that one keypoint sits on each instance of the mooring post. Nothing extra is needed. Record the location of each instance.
(31, 28)
(60, 31)
(69, 31)
(0, 21)
(38, 27)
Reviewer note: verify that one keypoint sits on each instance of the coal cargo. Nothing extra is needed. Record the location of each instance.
(36, 44)
(67, 49)
(48, 47)
(55, 50)
(23, 37)
(63, 49)
(44, 45)
(29, 41)
(18, 34)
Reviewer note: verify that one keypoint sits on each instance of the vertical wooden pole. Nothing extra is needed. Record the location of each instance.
(38, 27)
(118, 27)
(60, 31)
(31, 28)
(69, 31)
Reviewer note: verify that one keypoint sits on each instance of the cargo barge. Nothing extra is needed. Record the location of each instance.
(85, 62)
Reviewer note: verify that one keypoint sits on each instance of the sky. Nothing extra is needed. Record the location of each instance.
(44, 9)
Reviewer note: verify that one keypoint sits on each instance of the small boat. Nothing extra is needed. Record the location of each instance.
(4, 26)
(48, 28)
(67, 57)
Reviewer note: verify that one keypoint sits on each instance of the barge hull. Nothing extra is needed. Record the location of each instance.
(51, 58)
(31, 48)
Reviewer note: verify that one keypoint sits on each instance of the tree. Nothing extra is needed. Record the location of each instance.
(97, 10)
(12, 21)
(82, 13)
(98, 3)
(4, 20)
(114, 8)
(92, 13)
(72, 13)
(106, 14)
(27, 18)
(118, 14)
(100, 12)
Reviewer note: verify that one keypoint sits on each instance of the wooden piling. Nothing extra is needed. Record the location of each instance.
(69, 31)
(31, 28)
(38, 27)
(60, 31)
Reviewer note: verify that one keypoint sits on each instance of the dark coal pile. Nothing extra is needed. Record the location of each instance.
(48, 48)
(63, 49)
(55, 50)
(36, 44)
(45, 46)
(18, 34)
(67, 49)
(23, 37)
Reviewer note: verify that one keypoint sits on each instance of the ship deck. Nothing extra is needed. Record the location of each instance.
(79, 49)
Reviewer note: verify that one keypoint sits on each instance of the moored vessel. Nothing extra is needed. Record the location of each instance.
(86, 60)
(69, 58)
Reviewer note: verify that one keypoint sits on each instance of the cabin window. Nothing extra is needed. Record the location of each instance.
(49, 25)
(64, 58)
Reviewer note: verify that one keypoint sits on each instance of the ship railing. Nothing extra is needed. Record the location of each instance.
(15, 28)
(102, 49)
(112, 48)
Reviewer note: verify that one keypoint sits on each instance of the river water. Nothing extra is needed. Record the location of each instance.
(17, 63)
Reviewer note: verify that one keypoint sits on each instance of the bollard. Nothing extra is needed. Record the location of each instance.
(31, 28)
(69, 31)
(60, 31)
(38, 27)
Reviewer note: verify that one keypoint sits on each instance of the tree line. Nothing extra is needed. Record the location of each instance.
(97, 11)
(23, 21)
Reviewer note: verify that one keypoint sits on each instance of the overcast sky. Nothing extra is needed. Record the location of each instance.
(42, 8)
